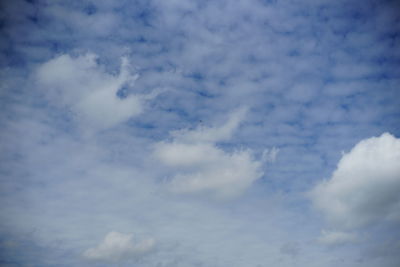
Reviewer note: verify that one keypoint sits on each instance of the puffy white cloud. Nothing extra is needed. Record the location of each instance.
(365, 186)
(201, 166)
(336, 237)
(117, 247)
(83, 86)
(209, 168)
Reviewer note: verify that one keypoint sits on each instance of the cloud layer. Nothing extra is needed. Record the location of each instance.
(124, 117)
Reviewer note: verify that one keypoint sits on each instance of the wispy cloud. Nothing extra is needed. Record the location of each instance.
(118, 247)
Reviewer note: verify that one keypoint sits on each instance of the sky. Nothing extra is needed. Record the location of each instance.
(213, 133)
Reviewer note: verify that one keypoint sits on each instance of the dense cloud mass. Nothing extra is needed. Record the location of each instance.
(82, 86)
(202, 166)
(365, 186)
(243, 133)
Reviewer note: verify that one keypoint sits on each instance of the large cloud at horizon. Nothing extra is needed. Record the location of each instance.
(364, 187)
(360, 201)
(199, 133)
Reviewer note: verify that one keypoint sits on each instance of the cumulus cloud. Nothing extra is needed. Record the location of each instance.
(201, 166)
(117, 247)
(83, 86)
(365, 186)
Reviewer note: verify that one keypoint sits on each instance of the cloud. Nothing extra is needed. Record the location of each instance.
(317, 78)
(383, 253)
(269, 155)
(291, 248)
(365, 186)
(336, 238)
(81, 85)
(203, 134)
(201, 166)
(118, 247)
(97, 24)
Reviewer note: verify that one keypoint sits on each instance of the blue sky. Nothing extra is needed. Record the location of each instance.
(200, 133)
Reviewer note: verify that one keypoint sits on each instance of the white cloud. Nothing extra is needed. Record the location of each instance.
(117, 247)
(303, 92)
(269, 155)
(205, 134)
(201, 166)
(215, 56)
(365, 186)
(98, 24)
(336, 237)
(210, 169)
(83, 86)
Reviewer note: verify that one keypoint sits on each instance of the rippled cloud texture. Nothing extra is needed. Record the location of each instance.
(200, 133)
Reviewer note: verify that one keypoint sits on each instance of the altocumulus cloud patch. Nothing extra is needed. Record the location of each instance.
(87, 149)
